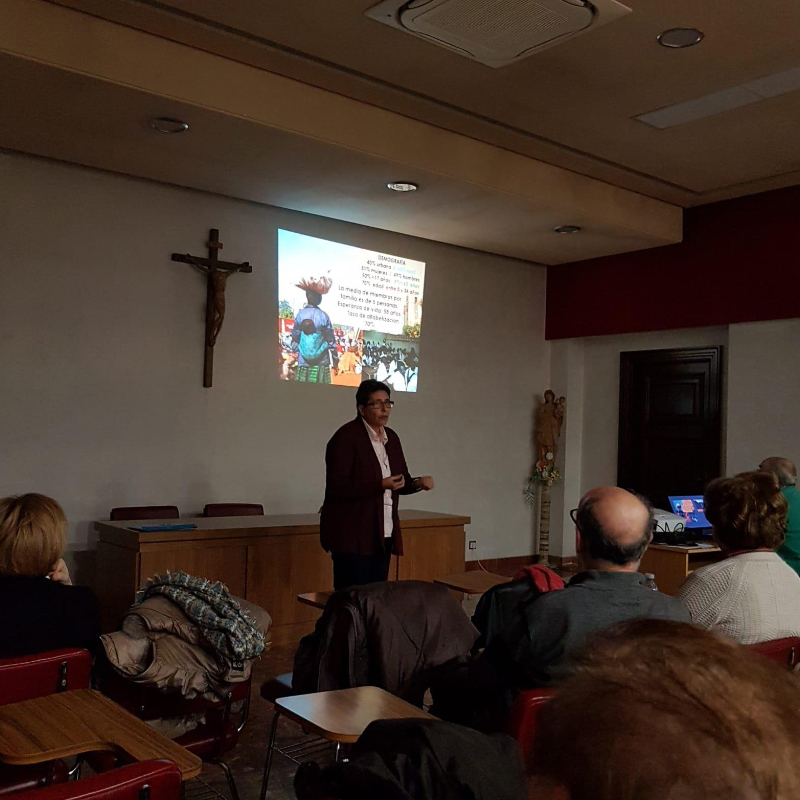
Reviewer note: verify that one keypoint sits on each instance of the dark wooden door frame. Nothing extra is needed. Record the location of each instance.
(626, 469)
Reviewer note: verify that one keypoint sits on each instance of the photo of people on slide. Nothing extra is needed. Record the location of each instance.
(346, 314)
(393, 360)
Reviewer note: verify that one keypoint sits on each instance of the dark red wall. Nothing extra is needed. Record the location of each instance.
(738, 262)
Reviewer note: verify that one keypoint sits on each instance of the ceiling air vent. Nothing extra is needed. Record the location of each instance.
(496, 32)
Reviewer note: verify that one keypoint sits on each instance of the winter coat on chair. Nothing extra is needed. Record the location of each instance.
(161, 648)
(392, 635)
(502, 608)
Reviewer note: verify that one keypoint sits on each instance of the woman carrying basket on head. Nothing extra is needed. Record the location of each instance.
(313, 334)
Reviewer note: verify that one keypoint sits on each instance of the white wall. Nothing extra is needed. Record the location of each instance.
(763, 393)
(760, 417)
(590, 369)
(101, 350)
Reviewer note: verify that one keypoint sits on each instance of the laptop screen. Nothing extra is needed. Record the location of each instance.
(693, 510)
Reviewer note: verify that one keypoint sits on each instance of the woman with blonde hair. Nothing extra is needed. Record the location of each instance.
(752, 595)
(40, 609)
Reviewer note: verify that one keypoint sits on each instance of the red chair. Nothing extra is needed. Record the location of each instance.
(26, 677)
(209, 741)
(233, 510)
(144, 512)
(785, 652)
(148, 780)
(521, 721)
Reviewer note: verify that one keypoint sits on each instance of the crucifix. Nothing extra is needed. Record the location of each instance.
(217, 273)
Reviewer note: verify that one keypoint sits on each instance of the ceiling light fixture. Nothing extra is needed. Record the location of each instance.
(167, 125)
(676, 38)
(774, 85)
(567, 229)
(402, 186)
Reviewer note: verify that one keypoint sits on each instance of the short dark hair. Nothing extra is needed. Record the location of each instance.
(747, 511)
(367, 388)
(600, 545)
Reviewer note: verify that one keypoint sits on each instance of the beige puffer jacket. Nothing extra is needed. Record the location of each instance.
(160, 647)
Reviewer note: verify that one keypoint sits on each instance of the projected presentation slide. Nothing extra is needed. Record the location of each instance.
(347, 314)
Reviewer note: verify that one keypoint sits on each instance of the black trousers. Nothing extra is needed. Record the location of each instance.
(351, 569)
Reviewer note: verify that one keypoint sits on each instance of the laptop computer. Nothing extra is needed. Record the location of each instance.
(692, 509)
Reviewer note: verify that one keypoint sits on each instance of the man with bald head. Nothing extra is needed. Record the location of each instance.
(613, 528)
(612, 531)
(786, 472)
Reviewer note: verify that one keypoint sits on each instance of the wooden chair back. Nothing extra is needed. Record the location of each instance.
(144, 512)
(233, 510)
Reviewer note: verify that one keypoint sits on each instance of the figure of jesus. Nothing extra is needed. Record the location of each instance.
(219, 278)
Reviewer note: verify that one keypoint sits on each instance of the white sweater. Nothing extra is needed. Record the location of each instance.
(752, 597)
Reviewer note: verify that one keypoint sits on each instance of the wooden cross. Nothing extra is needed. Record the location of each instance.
(217, 273)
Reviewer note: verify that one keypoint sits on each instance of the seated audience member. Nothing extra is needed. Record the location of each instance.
(752, 595)
(419, 759)
(613, 529)
(40, 609)
(664, 711)
(786, 472)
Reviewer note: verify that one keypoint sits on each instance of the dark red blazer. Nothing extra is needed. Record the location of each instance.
(351, 518)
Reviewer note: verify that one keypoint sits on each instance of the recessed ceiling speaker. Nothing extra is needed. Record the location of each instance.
(496, 32)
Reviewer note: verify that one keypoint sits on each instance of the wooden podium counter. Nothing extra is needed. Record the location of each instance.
(268, 560)
(672, 564)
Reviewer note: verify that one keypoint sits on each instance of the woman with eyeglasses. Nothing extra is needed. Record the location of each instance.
(365, 472)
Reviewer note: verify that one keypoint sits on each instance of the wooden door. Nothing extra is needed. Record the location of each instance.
(669, 421)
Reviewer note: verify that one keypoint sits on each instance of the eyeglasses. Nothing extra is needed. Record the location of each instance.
(381, 404)
(572, 515)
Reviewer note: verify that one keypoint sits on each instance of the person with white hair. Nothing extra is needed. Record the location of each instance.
(786, 472)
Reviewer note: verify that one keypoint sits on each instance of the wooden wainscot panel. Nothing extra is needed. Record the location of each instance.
(226, 562)
(117, 581)
(268, 560)
(281, 567)
(430, 553)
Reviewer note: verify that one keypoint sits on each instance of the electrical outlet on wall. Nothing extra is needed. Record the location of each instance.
(473, 545)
